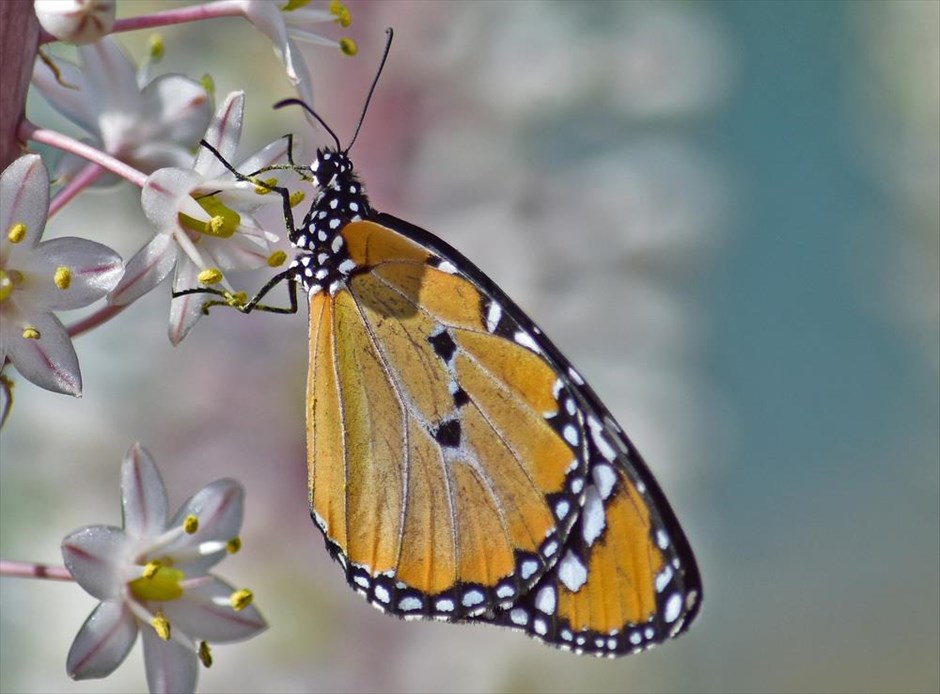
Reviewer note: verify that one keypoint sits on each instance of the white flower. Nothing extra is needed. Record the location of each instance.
(147, 126)
(204, 221)
(151, 577)
(283, 22)
(37, 278)
(76, 21)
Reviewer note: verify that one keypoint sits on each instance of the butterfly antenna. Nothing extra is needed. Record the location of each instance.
(297, 102)
(375, 81)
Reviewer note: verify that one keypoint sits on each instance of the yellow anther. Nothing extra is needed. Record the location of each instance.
(263, 185)
(223, 221)
(62, 277)
(241, 599)
(156, 47)
(341, 12)
(151, 569)
(190, 524)
(294, 5)
(348, 46)
(205, 654)
(161, 585)
(212, 275)
(237, 299)
(297, 198)
(6, 285)
(161, 625)
(30, 333)
(17, 232)
(233, 545)
(208, 84)
(277, 258)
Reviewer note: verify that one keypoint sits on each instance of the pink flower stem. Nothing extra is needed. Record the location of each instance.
(68, 144)
(193, 13)
(28, 569)
(88, 175)
(94, 320)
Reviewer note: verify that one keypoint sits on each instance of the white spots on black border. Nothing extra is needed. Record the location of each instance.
(493, 315)
(572, 572)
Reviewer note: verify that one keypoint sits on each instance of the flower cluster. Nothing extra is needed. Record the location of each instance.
(152, 577)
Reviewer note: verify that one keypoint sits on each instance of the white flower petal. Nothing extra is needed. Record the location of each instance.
(167, 193)
(95, 556)
(49, 361)
(219, 506)
(266, 156)
(103, 642)
(171, 668)
(143, 494)
(24, 198)
(71, 96)
(205, 614)
(180, 110)
(223, 134)
(186, 310)
(94, 268)
(112, 81)
(76, 21)
(148, 268)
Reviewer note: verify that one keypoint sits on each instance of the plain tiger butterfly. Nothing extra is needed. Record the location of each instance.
(459, 466)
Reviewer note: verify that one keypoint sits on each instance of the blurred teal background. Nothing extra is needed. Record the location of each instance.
(726, 214)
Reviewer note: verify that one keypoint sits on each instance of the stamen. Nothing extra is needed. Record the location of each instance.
(233, 545)
(266, 188)
(161, 625)
(348, 46)
(208, 83)
(241, 599)
(161, 585)
(277, 259)
(297, 198)
(17, 232)
(190, 524)
(150, 570)
(156, 47)
(62, 277)
(205, 655)
(209, 276)
(294, 5)
(339, 10)
(30, 333)
(6, 285)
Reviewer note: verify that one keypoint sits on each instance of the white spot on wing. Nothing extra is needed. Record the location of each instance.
(604, 478)
(575, 376)
(663, 578)
(505, 591)
(571, 434)
(448, 267)
(409, 604)
(572, 572)
(523, 338)
(445, 605)
(493, 314)
(528, 568)
(593, 518)
(519, 616)
(381, 594)
(545, 600)
(471, 598)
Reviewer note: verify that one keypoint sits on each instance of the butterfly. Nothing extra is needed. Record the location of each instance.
(460, 468)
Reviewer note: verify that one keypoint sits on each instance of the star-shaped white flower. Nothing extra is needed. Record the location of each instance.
(39, 277)
(148, 126)
(204, 221)
(151, 577)
(284, 22)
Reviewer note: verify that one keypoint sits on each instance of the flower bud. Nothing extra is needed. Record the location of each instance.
(76, 21)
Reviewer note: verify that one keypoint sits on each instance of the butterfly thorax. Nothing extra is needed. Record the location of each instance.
(322, 261)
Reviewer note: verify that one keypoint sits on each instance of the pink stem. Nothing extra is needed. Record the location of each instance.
(28, 569)
(68, 144)
(193, 13)
(88, 175)
(94, 320)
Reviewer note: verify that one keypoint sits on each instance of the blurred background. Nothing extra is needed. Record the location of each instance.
(726, 214)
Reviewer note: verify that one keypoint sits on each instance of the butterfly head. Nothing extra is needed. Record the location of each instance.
(331, 168)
